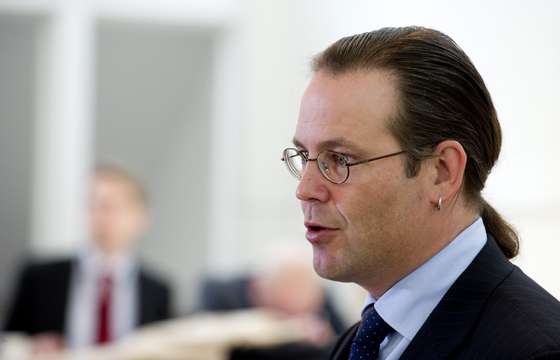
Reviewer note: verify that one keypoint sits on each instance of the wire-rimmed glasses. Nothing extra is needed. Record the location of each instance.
(334, 166)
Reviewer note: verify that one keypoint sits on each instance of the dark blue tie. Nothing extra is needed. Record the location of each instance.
(370, 335)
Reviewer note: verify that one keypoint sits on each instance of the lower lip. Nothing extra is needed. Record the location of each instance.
(317, 236)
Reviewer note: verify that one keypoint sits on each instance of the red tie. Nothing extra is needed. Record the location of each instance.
(104, 310)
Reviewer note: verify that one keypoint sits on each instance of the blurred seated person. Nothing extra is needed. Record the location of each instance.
(290, 288)
(102, 293)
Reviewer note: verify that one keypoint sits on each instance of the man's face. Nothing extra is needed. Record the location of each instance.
(362, 230)
(117, 215)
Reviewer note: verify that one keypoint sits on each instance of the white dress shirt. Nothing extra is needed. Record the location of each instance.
(407, 305)
(82, 310)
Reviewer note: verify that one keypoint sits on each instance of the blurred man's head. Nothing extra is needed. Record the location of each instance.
(118, 210)
(288, 286)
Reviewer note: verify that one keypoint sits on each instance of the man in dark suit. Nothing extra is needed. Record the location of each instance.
(101, 294)
(407, 112)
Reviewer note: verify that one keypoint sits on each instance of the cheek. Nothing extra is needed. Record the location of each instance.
(377, 215)
(126, 223)
(102, 220)
(365, 205)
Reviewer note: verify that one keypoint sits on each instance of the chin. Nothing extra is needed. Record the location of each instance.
(329, 267)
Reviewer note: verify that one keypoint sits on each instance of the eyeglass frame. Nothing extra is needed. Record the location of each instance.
(347, 164)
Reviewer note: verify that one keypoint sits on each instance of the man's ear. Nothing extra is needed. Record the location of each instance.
(450, 160)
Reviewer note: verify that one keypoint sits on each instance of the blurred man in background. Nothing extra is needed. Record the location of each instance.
(287, 287)
(101, 294)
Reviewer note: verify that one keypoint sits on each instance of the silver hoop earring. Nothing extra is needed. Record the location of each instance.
(438, 206)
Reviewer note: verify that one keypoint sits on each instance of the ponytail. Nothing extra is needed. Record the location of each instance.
(503, 233)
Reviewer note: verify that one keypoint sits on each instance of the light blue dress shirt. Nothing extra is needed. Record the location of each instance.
(407, 305)
(82, 313)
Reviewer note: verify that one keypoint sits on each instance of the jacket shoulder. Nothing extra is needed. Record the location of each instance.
(341, 349)
(46, 268)
(39, 297)
(519, 308)
(152, 280)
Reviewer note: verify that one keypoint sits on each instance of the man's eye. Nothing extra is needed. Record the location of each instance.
(340, 159)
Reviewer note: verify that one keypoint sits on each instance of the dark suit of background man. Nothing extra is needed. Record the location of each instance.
(101, 294)
(396, 136)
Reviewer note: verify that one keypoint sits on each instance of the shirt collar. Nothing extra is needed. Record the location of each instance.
(93, 263)
(407, 305)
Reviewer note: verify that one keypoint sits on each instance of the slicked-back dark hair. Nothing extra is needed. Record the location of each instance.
(441, 97)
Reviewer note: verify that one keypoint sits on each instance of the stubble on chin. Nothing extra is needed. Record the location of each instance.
(331, 266)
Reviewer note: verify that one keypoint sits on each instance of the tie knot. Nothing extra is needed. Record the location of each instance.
(373, 321)
(370, 335)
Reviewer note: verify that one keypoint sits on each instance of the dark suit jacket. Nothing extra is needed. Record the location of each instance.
(492, 311)
(42, 293)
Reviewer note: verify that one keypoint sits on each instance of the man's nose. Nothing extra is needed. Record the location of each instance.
(313, 185)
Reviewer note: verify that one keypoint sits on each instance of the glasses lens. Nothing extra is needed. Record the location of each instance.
(294, 162)
(333, 166)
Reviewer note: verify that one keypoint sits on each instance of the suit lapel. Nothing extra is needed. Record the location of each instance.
(456, 314)
(341, 350)
(147, 307)
(60, 289)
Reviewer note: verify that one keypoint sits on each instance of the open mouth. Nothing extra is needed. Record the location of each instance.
(318, 233)
(315, 228)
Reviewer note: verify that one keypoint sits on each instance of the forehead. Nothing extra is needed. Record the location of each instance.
(353, 107)
(109, 186)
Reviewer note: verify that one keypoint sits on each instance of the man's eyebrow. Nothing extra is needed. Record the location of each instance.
(337, 142)
(297, 143)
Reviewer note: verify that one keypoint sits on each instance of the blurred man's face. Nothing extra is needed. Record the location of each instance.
(362, 230)
(117, 214)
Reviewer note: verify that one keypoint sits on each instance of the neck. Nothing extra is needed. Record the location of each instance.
(109, 254)
(443, 231)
